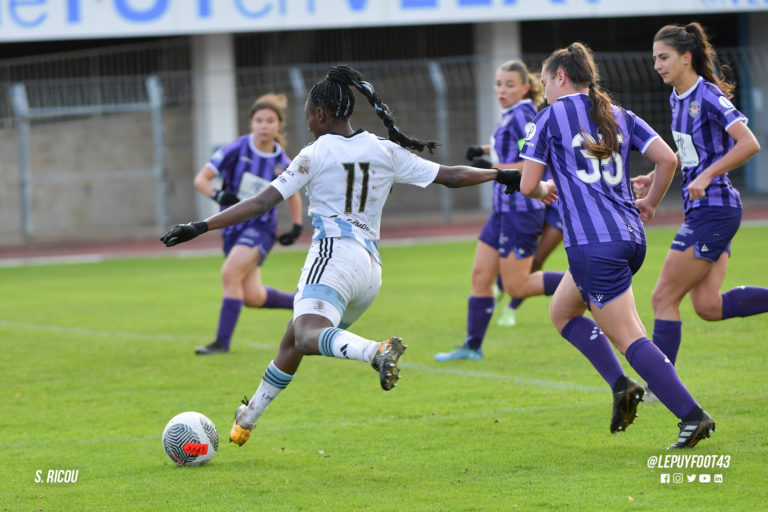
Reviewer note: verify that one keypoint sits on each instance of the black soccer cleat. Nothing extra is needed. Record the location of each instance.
(691, 432)
(385, 362)
(625, 403)
(211, 348)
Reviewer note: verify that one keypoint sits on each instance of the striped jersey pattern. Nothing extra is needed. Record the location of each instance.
(240, 164)
(506, 142)
(701, 117)
(348, 181)
(597, 203)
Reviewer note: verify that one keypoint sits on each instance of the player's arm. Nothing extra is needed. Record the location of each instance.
(294, 208)
(745, 147)
(250, 208)
(204, 183)
(665, 162)
(532, 186)
(456, 176)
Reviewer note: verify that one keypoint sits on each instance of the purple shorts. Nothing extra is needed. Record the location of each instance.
(513, 232)
(263, 238)
(709, 230)
(604, 271)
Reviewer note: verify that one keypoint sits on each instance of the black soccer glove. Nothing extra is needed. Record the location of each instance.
(291, 236)
(184, 232)
(225, 197)
(474, 151)
(482, 163)
(510, 178)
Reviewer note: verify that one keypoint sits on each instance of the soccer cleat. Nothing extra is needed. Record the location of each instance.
(240, 434)
(625, 405)
(385, 362)
(691, 432)
(460, 353)
(507, 317)
(211, 348)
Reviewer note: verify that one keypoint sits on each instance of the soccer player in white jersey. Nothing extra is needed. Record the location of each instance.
(712, 139)
(586, 143)
(348, 176)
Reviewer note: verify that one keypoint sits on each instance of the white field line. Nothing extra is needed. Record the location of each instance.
(266, 346)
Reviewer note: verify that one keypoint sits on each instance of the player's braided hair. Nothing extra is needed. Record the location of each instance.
(693, 38)
(536, 91)
(333, 94)
(578, 64)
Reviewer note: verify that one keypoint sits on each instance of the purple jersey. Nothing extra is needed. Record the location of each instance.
(506, 142)
(701, 117)
(596, 195)
(246, 171)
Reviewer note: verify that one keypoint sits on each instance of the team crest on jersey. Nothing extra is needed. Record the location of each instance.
(725, 102)
(278, 169)
(694, 109)
(530, 131)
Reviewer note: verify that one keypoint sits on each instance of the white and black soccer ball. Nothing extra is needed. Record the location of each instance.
(190, 439)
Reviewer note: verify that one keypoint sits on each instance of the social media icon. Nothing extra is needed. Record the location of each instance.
(705, 479)
(677, 478)
(718, 479)
(691, 478)
(665, 478)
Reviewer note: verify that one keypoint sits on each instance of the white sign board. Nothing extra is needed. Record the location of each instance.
(40, 20)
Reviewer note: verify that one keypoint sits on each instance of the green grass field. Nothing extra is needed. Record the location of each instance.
(97, 357)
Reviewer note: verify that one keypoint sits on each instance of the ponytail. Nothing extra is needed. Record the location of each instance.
(333, 94)
(693, 38)
(578, 64)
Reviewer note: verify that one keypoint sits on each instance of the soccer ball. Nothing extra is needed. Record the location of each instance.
(190, 439)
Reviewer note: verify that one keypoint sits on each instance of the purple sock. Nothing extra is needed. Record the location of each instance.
(551, 280)
(667, 335)
(657, 370)
(745, 301)
(278, 299)
(584, 334)
(515, 303)
(479, 314)
(230, 311)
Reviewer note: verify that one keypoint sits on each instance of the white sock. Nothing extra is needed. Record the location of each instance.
(273, 382)
(335, 342)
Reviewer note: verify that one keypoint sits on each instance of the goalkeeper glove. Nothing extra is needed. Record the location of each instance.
(482, 163)
(291, 236)
(474, 151)
(510, 178)
(183, 233)
(225, 197)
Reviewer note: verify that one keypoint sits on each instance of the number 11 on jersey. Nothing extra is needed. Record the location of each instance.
(350, 169)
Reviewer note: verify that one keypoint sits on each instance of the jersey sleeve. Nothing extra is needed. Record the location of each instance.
(297, 174)
(720, 110)
(411, 168)
(223, 158)
(642, 134)
(536, 145)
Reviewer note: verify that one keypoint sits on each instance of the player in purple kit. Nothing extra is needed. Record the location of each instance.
(586, 142)
(509, 237)
(246, 166)
(712, 139)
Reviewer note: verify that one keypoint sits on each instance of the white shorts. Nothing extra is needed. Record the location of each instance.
(339, 281)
